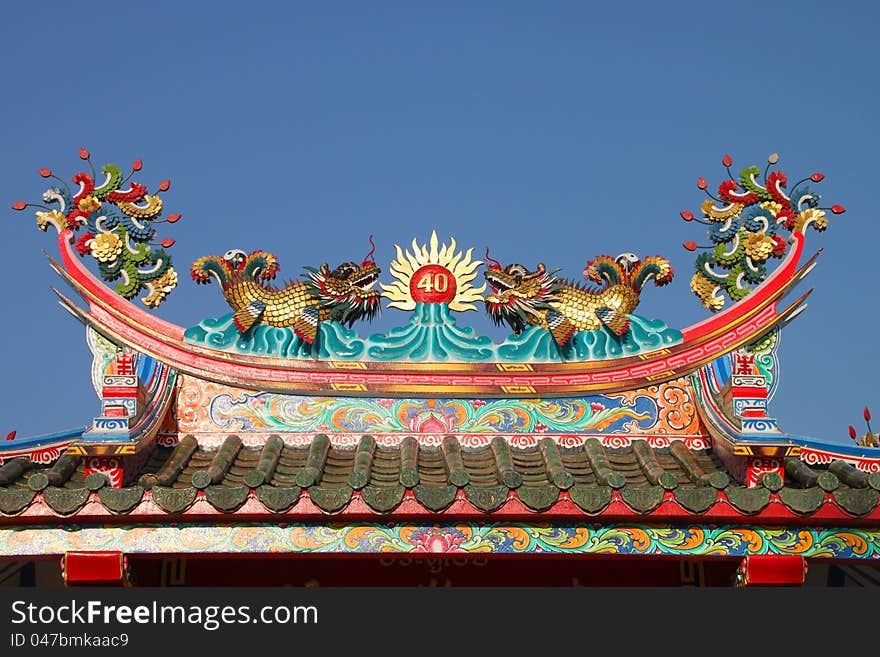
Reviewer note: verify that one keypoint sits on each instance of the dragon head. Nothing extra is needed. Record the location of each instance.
(347, 291)
(517, 294)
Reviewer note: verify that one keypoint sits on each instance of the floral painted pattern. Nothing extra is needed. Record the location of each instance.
(275, 412)
(489, 538)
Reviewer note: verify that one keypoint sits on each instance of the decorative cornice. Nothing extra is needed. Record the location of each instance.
(688, 540)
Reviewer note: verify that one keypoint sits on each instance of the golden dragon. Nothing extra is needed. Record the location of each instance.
(524, 298)
(343, 294)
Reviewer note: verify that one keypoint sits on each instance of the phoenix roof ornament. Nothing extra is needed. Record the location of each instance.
(750, 221)
(119, 227)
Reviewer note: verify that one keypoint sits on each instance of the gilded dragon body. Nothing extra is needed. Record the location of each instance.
(522, 298)
(343, 294)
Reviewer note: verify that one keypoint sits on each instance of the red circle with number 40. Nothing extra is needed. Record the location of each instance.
(432, 284)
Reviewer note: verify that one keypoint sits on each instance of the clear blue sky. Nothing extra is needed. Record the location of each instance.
(548, 131)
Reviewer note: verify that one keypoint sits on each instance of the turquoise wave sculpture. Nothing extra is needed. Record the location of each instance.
(536, 343)
(334, 340)
(432, 335)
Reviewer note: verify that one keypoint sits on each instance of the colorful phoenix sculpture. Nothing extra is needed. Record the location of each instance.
(524, 298)
(343, 294)
(119, 227)
(747, 227)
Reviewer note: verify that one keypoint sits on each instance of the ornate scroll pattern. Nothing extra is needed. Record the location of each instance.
(268, 411)
(761, 465)
(467, 441)
(491, 538)
(45, 456)
(167, 440)
(814, 457)
(677, 411)
(822, 457)
(207, 407)
(190, 410)
(619, 442)
(110, 467)
(38, 451)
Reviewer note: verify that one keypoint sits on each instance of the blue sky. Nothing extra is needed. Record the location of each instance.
(550, 132)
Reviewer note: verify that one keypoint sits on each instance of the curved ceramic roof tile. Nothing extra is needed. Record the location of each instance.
(278, 499)
(493, 474)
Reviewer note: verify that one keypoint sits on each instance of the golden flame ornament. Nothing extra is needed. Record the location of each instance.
(434, 273)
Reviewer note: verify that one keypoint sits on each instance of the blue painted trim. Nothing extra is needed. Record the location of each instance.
(39, 441)
(834, 448)
(720, 425)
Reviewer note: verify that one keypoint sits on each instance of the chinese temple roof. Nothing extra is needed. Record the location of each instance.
(586, 416)
(592, 480)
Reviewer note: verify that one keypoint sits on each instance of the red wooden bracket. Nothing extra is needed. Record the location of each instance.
(95, 569)
(771, 570)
